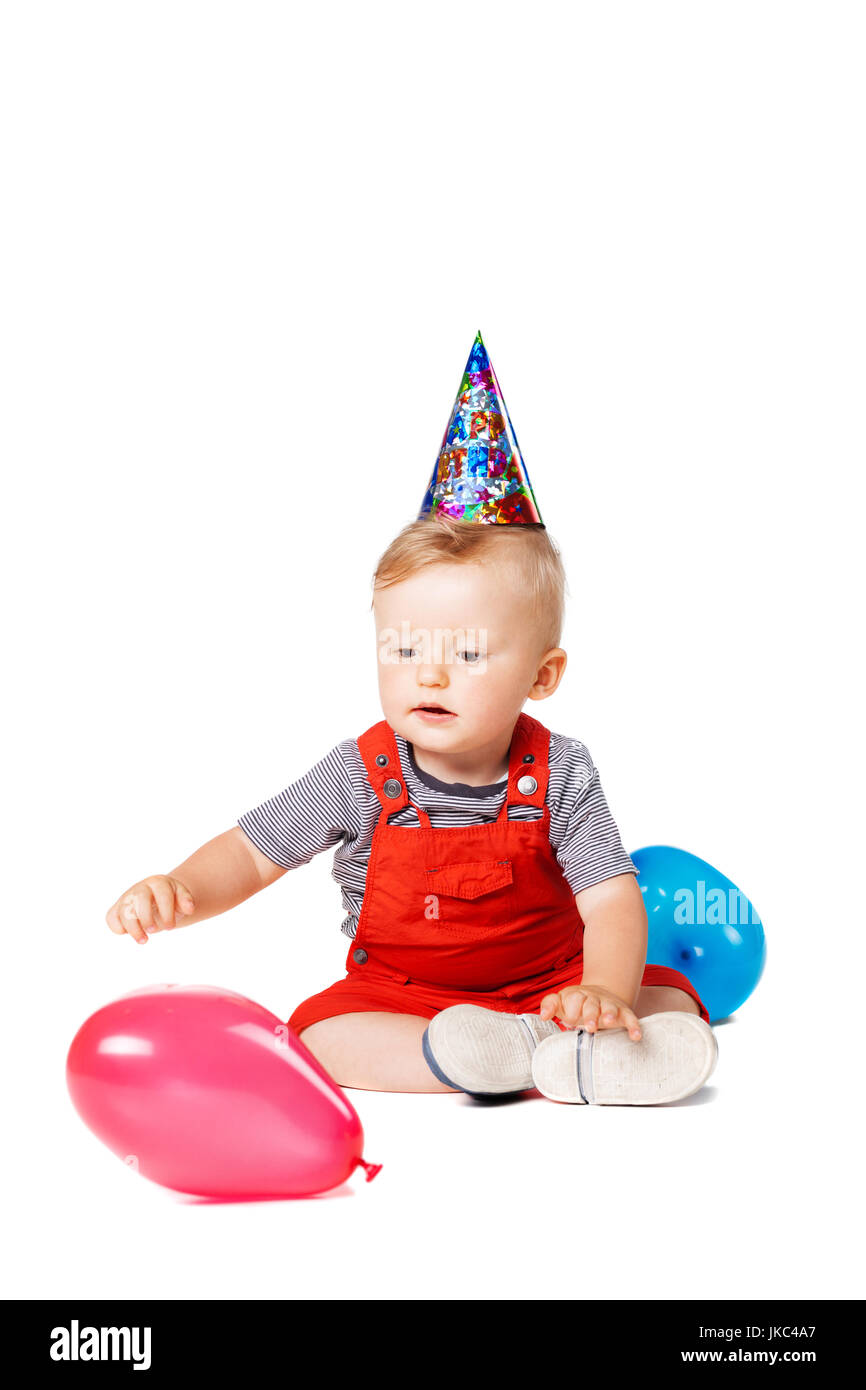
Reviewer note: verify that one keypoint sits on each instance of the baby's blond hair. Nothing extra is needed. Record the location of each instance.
(528, 552)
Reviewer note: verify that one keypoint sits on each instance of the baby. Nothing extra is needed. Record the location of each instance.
(498, 933)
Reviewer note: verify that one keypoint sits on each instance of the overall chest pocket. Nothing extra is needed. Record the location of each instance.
(473, 898)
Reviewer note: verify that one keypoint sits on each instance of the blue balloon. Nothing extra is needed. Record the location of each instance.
(701, 924)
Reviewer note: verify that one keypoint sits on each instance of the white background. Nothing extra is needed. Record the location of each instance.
(246, 248)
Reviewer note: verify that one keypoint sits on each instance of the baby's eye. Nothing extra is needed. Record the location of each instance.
(406, 653)
(469, 657)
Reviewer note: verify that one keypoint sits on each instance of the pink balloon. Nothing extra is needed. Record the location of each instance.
(206, 1092)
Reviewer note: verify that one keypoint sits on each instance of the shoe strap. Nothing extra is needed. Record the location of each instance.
(583, 1063)
(537, 1028)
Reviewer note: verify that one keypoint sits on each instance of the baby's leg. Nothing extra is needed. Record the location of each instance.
(373, 1051)
(660, 999)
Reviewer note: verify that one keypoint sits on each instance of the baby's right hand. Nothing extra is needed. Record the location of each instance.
(150, 906)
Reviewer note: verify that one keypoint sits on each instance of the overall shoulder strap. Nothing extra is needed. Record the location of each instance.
(378, 747)
(530, 751)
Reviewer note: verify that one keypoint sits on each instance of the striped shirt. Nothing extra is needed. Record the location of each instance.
(334, 804)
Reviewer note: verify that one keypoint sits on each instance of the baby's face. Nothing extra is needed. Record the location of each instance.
(458, 637)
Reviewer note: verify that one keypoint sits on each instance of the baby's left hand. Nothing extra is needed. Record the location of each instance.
(590, 1007)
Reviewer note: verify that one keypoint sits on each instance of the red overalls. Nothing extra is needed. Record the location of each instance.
(476, 914)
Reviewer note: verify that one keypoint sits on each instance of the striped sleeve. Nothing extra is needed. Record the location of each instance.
(590, 849)
(309, 816)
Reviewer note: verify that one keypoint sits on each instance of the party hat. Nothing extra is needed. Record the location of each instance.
(480, 474)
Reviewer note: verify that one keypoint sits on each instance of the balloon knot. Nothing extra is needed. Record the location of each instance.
(371, 1169)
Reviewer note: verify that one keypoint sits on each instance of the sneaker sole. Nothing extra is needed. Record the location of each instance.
(674, 1058)
(481, 1051)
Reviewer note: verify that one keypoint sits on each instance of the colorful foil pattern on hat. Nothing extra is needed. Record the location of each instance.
(480, 474)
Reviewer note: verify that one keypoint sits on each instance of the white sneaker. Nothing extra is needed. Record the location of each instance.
(482, 1051)
(674, 1057)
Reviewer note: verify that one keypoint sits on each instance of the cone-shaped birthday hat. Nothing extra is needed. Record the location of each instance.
(480, 474)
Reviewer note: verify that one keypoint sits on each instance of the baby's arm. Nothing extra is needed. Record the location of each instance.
(615, 935)
(222, 873)
(612, 908)
(299, 822)
(614, 956)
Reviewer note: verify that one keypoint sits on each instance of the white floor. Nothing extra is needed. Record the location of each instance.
(746, 1190)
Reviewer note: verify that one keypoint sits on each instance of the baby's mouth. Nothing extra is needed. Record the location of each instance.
(434, 713)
